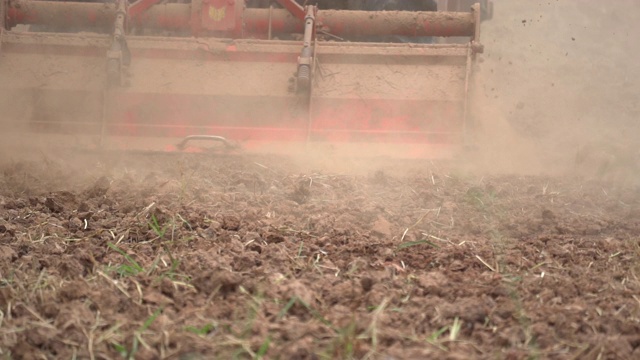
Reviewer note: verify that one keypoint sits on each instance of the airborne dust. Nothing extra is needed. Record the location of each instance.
(559, 80)
(555, 93)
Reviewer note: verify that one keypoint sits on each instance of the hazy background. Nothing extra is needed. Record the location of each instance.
(557, 76)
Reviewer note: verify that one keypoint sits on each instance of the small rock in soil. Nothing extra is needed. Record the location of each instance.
(167, 287)
(84, 207)
(99, 188)
(74, 290)
(6, 295)
(432, 280)
(7, 228)
(215, 225)
(52, 205)
(231, 223)
(457, 265)
(379, 178)
(367, 284)
(274, 238)
(246, 262)
(156, 298)
(382, 228)
(75, 224)
(254, 247)
(15, 204)
(224, 281)
(296, 289)
(7, 254)
(251, 236)
(85, 215)
(548, 216)
(301, 192)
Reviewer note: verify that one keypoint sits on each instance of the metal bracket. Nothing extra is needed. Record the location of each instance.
(221, 16)
(486, 7)
(476, 46)
(196, 17)
(118, 55)
(294, 8)
(305, 60)
(183, 144)
(140, 6)
(3, 14)
(3, 20)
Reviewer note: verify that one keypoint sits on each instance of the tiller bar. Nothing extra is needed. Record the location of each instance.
(147, 75)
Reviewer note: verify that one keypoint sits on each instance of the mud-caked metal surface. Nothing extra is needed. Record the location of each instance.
(411, 97)
(175, 17)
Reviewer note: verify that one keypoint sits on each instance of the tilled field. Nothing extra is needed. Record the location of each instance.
(197, 257)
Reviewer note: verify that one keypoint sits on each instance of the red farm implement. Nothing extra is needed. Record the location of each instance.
(169, 75)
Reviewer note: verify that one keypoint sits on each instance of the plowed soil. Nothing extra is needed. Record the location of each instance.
(197, 257)
(201, 257)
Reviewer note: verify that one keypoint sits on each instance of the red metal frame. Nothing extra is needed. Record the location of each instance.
(344, 117)
(294, 8)
(140, 7)
(244, 118)
(180, 17)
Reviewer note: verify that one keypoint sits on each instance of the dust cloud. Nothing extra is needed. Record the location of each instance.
(535, 87)
(556, 90)
(554, 93)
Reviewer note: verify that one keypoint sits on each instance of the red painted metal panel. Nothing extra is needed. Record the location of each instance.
(387, 115)
(409, 96)
(256, 21)
(247, 118)
(140, 7)
(293, 7)
(219, 15)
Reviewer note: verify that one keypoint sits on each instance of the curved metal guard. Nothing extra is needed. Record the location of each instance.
(181, 145)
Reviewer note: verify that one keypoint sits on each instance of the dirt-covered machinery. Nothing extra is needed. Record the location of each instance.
(174, 75)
